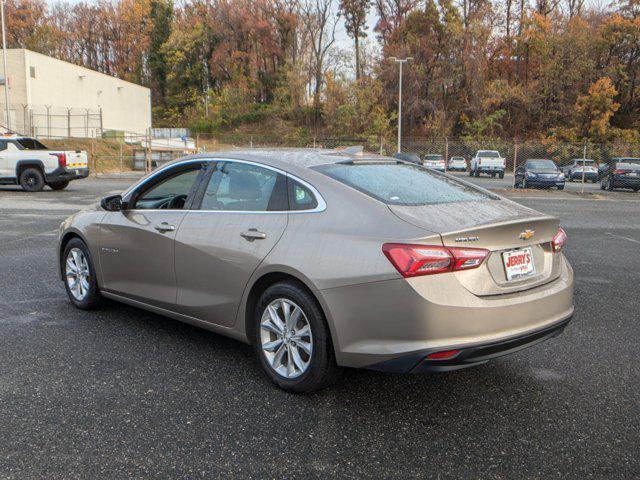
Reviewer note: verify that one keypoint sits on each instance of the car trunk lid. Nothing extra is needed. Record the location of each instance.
(499, 226)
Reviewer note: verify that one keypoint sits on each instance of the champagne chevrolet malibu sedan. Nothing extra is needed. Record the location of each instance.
(326, 259)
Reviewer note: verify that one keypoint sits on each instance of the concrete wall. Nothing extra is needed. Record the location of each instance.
(62, 85)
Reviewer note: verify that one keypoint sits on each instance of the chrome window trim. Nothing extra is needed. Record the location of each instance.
(321, 207)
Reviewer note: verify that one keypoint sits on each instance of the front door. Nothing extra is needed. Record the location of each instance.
(218, 247)
(137, 244)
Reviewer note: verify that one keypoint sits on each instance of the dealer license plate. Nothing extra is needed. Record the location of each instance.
(519, 264)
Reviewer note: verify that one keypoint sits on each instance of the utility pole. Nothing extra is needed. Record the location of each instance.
(400, 62)
(4, 60)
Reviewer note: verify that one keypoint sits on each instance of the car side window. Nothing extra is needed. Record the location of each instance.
(300, 197)
(3, 145)
(171, 193)
(243, 187)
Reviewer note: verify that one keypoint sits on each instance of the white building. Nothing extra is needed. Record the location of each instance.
(52, 98)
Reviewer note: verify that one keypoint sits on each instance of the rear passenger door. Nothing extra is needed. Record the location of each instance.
(241, 213)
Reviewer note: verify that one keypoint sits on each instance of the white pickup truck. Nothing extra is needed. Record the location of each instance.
(487, 161)
(26, 162)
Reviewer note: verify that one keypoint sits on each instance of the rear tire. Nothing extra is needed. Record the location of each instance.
(282, 349)
(610, 184)
(561, 187)
(501, 175)
(32, 179)
(59, 185)
(76, 265)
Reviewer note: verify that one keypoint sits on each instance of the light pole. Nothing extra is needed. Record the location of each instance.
(400, 62)
(4, 60)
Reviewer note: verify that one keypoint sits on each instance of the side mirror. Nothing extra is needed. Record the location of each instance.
(112, 203)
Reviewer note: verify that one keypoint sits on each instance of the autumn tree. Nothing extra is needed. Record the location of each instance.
(595, 109)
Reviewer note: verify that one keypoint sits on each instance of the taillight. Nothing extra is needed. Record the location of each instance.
(559, 240)
(416, 260)
(444, 355)
(62, 159)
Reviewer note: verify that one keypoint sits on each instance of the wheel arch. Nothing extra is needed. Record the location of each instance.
(64, 240)
(264, 280)
(22, 165)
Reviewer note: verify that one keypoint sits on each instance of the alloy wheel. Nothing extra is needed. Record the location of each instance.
(77, 273)
(286, 338)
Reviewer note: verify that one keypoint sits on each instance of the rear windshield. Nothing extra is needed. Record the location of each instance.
(585, 162)
(629, 160)
(626, 165)
(402, 183)
(30, 144)
(541, 165)
(433, 156)
(489, 154)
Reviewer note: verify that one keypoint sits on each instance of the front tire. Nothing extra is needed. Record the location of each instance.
(31, 179)
(292, 340)
(80, 275)
(501, 175)
(59, 185)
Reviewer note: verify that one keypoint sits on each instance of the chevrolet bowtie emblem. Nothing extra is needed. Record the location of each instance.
(527, 234)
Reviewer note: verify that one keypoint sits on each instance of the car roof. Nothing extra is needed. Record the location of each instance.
(293, 160)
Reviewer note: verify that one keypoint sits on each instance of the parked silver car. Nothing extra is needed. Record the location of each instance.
(323, 259)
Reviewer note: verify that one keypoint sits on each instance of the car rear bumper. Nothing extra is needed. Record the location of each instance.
(626, 182)
(470, 356)
(65, 175)
(592, 176)
(380, 322)
(490, 169)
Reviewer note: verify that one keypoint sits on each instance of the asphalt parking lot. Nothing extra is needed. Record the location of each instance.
(120, 392)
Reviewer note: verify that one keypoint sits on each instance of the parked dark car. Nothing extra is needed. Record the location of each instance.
(539, 172)
(408, 157)
(603, 167)
(624, 173)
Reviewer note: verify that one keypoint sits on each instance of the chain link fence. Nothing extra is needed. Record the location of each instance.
(120, 152)
(47, 121)
(602, 160)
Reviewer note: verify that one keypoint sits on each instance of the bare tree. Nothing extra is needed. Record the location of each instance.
(355, 15)
(574, 7)
(320, 20)
(545, 7)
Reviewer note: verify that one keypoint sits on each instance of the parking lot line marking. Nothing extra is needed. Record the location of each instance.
(622, 237)
(44, 234)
